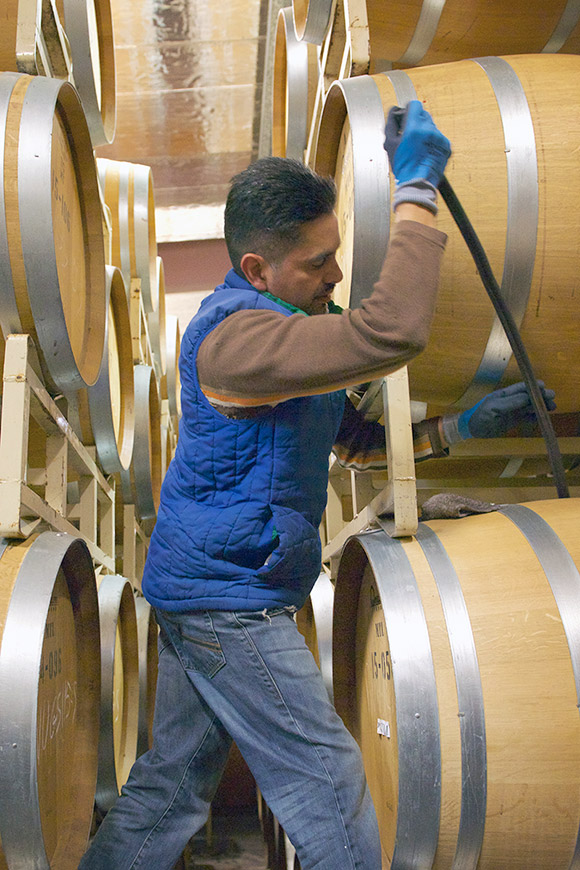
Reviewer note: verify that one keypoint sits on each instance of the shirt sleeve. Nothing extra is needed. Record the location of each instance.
(360, 444)
(260, 357)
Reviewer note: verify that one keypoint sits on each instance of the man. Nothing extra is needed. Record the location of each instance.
(236, 550)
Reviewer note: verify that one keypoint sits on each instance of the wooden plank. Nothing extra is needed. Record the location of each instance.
(135, 316)
(56, 472)
(40, 508)
(51, 45)
(88, 507)
(399, 497)
(400, 452)
(21, 508)
(27, 27)
(14, 437)
(135, 545)
(508, 447)
(139, 329)
(106, 524)
(335, 546)
(51, 415)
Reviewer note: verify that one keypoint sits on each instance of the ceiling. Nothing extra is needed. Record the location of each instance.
(188, 97)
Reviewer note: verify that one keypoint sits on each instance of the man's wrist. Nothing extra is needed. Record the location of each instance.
(454, 429)
(410, 211)
(417, 191)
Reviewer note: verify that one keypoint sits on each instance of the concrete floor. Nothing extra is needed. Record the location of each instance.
(236, 842)
(239, 841)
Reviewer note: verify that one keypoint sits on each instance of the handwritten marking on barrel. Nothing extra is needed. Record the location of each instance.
(381, 665)
(54, 713)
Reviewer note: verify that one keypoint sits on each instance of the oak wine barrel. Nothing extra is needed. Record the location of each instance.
(119, 687)
(457, 668)
(314, 621)
(107, 226)
(128, 190)
(171, 381)
(108, 407)
(311, 19)
(142, 482)
(52, 277)
(515, 177)
(49, 700)
(420, 32)
(156, 322)
(89, 29)
(147, 633)
(293, 89)
(167, 449)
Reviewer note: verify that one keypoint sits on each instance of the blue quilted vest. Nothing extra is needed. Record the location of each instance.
(241, 503)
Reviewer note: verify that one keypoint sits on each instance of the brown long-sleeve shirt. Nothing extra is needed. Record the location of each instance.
(257, 356)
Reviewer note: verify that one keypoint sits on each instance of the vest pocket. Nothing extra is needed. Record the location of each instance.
(297, 555)
(251, 538)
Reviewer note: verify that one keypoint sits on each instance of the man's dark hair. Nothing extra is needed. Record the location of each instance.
(268, 203)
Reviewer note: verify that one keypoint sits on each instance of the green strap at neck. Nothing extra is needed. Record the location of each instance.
(333, 308)
(283, 303)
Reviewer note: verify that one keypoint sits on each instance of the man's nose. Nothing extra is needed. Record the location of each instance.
(334, 272)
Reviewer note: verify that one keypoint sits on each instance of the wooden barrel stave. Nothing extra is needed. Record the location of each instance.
(50, 627)
(119, 687)
(467, 655)
(8, 34)
(534, 256)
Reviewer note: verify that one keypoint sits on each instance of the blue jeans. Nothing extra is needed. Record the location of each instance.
(247, 676)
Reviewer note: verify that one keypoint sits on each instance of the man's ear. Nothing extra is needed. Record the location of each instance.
(254, 268)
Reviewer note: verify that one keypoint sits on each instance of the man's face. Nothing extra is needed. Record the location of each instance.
(307, 274)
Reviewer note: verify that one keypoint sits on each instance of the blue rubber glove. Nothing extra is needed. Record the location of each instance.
(418, 153)
(496, 414)
(416, 148)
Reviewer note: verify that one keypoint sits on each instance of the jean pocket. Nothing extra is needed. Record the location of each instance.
(195, 641)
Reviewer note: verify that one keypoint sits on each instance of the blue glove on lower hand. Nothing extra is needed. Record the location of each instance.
(418, 153)
(496, 414)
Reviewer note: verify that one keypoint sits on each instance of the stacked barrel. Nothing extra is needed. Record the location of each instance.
(444, 642)
(80, 274)
(501, 83)
(456, 666)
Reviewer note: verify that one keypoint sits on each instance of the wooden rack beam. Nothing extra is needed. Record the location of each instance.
(21, 508)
